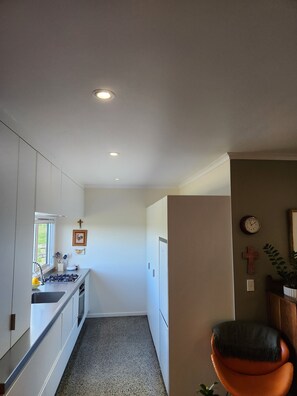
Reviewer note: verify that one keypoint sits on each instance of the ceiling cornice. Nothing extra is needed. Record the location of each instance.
(263, 156)
(219, 161)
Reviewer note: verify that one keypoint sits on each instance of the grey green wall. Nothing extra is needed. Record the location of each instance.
(266, 189)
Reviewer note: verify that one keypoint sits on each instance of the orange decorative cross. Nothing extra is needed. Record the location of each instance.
(250, 255)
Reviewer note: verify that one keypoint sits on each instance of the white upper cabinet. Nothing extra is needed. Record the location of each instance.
(48, 187)
(56, 193)
(72, 198)
(43, 178)
(9, 144)
(21, 301)
(56, 180)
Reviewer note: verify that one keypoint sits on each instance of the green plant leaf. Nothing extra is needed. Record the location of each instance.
(285, 271)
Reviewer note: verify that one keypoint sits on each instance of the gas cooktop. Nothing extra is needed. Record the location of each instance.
(61, 278)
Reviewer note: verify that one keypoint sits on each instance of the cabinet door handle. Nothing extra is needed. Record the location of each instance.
(12, 322)
(153, 273)
(149, 265)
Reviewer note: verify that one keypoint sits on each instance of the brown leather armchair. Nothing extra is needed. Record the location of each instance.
(242, 377)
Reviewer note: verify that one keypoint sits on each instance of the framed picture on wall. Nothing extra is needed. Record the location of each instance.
(79, 238)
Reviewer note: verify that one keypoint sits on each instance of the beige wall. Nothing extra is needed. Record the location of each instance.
(266, 189)
(200, 285)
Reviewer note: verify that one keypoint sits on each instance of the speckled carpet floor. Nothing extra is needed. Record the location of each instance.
(113, 357)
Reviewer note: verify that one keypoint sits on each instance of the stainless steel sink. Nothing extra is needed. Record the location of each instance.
(46, 297)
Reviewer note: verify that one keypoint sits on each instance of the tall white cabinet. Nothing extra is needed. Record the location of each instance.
(21, 301)
(17, 197)
(199, 284)
(156, 227)
(8, 199)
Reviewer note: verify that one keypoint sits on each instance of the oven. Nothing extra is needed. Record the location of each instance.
(81, 303)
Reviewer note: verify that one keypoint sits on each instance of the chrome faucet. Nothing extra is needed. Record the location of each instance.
(41, 273)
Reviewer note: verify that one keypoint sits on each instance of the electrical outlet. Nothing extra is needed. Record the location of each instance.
(250, 285)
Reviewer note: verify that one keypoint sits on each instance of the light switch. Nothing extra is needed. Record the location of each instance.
(250, 285)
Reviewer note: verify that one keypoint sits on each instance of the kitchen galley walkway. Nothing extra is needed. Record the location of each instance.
(113, 357)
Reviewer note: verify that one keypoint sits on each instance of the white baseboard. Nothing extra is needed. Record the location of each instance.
(114, 314)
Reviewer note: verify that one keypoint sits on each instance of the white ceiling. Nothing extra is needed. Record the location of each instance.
(193, 79)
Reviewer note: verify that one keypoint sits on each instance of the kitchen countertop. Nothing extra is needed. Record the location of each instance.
(42, 318)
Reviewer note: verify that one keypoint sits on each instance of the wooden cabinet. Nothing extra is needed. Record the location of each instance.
(17, 181)
(48, 187)
(282, 315)
(200, 284)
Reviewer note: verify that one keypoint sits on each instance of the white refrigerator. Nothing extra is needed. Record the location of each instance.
(163, 311)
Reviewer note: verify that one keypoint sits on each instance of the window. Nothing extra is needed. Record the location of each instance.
(44, 236)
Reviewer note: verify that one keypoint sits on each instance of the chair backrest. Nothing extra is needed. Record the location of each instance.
(251, 367)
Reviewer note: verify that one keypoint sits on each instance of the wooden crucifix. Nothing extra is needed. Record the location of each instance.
(80, 222)
(250, 255)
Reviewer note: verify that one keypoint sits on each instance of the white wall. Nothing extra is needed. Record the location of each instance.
(116, 248)
(215, 180)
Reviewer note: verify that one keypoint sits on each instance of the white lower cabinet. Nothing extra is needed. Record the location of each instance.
(67, 321)
(33, 377)
(43, 372)
(69, 334)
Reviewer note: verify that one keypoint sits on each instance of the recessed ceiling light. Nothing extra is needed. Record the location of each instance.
(114, 154)
(103, 94)
(116, 179)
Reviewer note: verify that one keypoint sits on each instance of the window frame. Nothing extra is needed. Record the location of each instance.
(50, 243)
